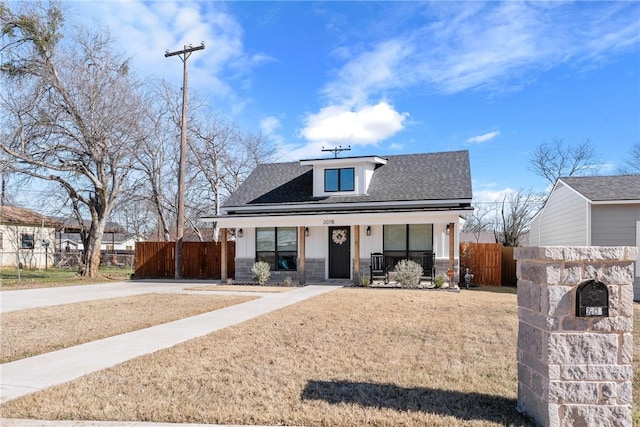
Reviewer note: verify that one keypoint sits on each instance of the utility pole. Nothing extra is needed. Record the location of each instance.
(183, 54)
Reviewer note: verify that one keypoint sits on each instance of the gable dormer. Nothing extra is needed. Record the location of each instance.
(348, 176)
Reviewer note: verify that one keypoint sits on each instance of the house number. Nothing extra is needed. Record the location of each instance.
(328, 222)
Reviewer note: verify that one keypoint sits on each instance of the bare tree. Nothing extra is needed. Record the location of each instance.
(479, 221)
(221, 157)
(156, 168)
(514, 216)
(557, 159)
(632, 163)
(70, 112)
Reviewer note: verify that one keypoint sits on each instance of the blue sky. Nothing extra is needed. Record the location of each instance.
(388, 78)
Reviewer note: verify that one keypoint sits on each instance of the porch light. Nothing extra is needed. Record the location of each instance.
(306, 231)
(368, 230)
(448, 229)
(240, 232)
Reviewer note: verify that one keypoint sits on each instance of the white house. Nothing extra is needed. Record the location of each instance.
(322, 219)
(26, 238)
(117, 242)
(591, 211)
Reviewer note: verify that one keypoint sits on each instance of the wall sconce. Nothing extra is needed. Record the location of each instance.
(368, 230)
(448, 229)
(240, 232)
(306, 231)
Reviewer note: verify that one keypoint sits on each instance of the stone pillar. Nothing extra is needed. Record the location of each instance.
(574, 371)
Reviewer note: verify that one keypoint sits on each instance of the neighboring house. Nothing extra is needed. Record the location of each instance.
(322, 219)
(26, 238)
(591, 211)
(111, 242)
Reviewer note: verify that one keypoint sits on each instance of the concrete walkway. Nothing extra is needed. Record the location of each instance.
(36, 373)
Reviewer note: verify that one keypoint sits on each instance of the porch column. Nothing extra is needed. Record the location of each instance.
(356, 255)
(452, 241)
(302, 250)
(223, 255)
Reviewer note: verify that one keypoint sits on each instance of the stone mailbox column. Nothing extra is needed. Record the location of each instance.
(574, 371)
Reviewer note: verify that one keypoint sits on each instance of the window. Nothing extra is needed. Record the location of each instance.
(407, 241)
(26, 241)
(277, 246)
(339, 180)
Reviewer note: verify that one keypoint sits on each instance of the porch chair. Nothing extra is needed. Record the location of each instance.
(378, 268)
(428, 265)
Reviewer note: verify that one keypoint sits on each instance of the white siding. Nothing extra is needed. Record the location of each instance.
(563, 221)
(614, 225)
(11, 253)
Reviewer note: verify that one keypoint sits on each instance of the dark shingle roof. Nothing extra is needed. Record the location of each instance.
(429, 176)
(606, 188)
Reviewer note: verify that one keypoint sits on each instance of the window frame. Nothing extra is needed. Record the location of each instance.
(276, 257)
(343, 184)
(392, 257)
(24, 242)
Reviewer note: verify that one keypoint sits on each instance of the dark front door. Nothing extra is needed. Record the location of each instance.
(339, 253)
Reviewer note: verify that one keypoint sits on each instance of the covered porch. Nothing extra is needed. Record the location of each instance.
(338, 247)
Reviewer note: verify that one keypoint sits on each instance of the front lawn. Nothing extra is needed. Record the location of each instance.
(12, 279)
(34, 331)
(351, 357)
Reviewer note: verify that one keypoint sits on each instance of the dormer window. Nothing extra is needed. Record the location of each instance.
(348, 176)
(339, 180)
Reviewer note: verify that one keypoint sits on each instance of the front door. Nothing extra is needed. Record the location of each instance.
(339, 253)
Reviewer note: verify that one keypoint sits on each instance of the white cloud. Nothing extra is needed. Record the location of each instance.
(365, 125)
(145, 30)
(484, 137)
(491, 196)
(368, 72)
(268, 125)
(494, 46)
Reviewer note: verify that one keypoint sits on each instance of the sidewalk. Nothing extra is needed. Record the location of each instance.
(36, 373)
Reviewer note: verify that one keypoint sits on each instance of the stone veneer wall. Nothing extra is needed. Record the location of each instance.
(314, 269)
(574, 371)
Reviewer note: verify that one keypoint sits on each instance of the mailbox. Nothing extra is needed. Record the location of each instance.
(592, 299)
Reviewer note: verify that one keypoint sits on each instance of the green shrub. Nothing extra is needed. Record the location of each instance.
(365, 281)
(288, 281)
(439, 281)
(261, 272)
(408, 273)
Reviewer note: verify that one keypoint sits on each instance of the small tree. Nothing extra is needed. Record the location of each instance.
(408, 273)
(261, 272)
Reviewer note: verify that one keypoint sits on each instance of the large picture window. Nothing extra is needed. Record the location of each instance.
(277, 246)
(339, 180)
(407, 241)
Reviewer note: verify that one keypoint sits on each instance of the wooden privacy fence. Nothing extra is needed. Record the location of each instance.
(490, 263)
(200, 260)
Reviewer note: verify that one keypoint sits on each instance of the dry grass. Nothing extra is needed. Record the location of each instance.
(26, 333)
(348, 358)
(54, 277)
(243, 288)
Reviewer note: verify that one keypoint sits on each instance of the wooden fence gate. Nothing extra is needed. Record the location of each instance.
(200, 260)
(490, 263)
